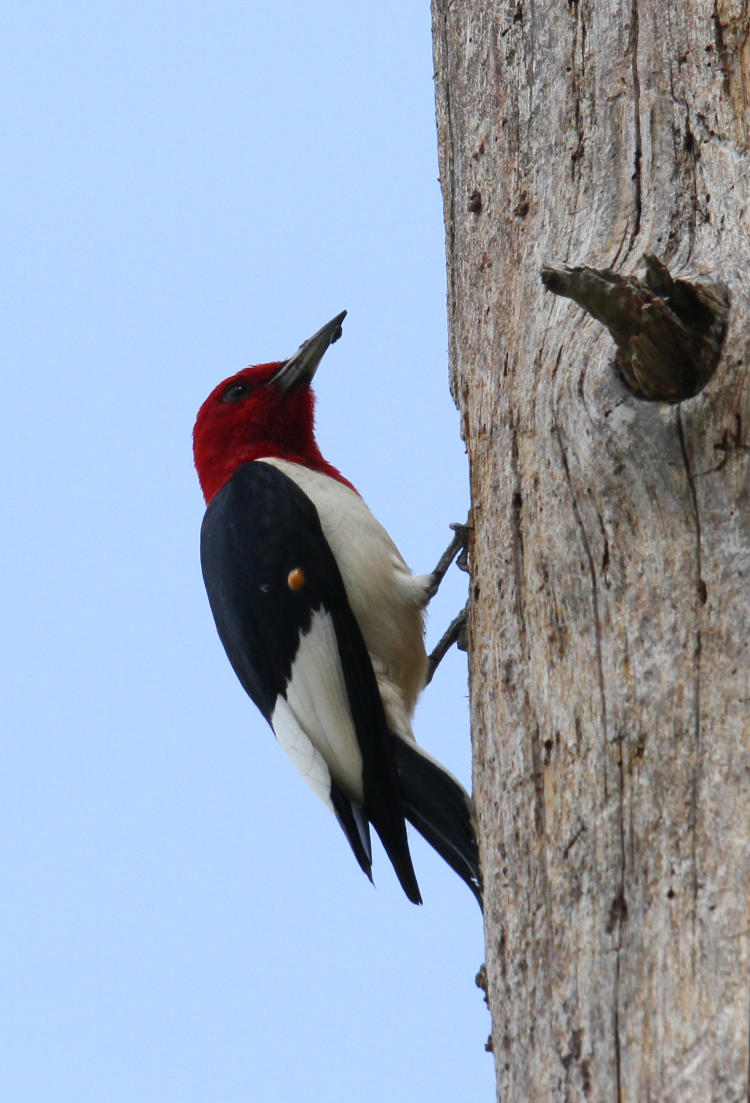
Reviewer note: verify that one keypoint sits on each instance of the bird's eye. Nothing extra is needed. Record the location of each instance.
(236, 391)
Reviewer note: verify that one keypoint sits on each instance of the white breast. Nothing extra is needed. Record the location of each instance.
(386, 598)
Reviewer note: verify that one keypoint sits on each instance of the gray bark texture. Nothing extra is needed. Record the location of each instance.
(609, 623)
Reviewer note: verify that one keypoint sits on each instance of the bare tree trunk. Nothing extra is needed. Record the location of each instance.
(609, 627)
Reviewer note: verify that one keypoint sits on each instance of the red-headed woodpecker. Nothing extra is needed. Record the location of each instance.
(320, 617)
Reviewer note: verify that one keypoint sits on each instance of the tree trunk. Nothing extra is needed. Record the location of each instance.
(609, 626)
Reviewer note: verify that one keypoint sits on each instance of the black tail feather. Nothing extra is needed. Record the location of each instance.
(441, 811)
(396, 847)
(355, 827)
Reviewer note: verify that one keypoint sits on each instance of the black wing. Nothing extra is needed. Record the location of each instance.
(260, 529)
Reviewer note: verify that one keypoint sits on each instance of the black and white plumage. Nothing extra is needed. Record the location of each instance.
(322, 622)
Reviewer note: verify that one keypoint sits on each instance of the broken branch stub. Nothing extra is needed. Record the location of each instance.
(669, 333)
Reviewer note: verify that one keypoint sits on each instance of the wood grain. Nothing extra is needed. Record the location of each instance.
(609, 628)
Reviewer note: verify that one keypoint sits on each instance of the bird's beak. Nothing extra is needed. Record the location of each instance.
(301, 367)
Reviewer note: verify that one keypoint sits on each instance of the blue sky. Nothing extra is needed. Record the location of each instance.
(188, 189)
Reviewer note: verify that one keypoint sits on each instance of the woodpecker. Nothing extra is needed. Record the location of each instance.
(320, 617)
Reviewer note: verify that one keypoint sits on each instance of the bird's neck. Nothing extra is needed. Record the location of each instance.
(311, 457)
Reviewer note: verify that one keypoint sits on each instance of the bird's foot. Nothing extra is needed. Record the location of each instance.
(457, 550)
(454, 633)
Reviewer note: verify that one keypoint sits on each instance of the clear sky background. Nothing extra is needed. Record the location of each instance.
(191, 187)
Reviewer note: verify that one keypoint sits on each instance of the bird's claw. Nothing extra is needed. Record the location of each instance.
(457, 550)
(462, 559)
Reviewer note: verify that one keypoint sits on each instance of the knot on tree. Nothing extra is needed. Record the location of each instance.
(669, 333)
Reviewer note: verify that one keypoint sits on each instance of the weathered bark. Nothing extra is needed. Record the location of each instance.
(609, 627)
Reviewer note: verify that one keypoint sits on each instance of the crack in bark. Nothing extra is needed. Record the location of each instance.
(638, 151)
(576, 83)
(576, 836)
(616, 1027)
(700, 588)
(691, 220)
(594, 586)
(577, 153)
(683, 212)
(620, 913)
(540, 818)
(518, 548)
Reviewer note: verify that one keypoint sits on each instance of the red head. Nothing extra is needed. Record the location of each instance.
(267, 410)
